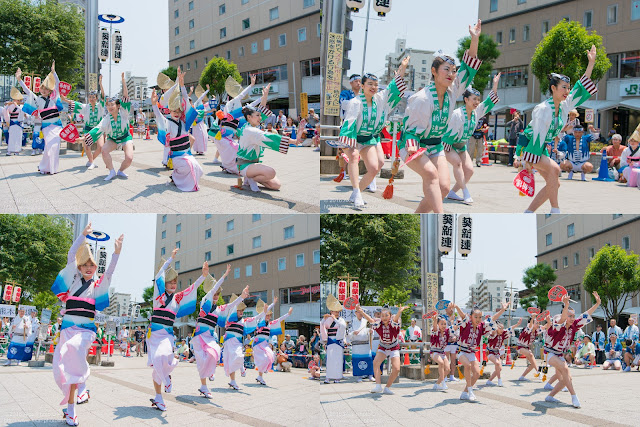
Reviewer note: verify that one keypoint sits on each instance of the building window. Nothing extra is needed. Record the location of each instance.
(177, 50)
(571, 230)
(635, 10)
(192, 24)
(499, 38)
(188, 66)
(554, 264)
(310, 67)
(566, 18)
(266, 45)
(223, 32)
(302, 34)
(308, 3)
(576, 258)
(319, 30)
(522, 1)
(164, 219)
(207, 256)
(229, 249)
(207, 233)
(626, 242)
(424, 70)
(493, 6)
(612, 14)
(178, 228)
(230, 225)
(207, 216)
(525, 33)
(282, 264)
(545, 28)
(274, 14)
(178, 244)
(163, 251)
(288, 232)
(282, 40)
(246, 24)
(206, 60)
(177, 264)
(164, 234)
(512, 35)
(222, 9)
(549, 239)
(587, 21)
(228, 54)
(236, 273)
(176, 31)
(196, 64)
(256, 217)
(316, 256)
(190, 5)
(254, 48)
(257, 242)
(244, 2)
(192, 44)
(592, 253)
(176, 13)
(616, 216)
(248, 270)
(565, 262)
(241, 51)
(300, 260)
(263, 267)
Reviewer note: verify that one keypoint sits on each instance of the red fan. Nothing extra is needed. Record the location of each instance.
(525, 182)
(557, 293)
(69, 133)
(542, 316)
(350, 303)
(430, 314)
(534, 311)
(65, 88)
(414, 155)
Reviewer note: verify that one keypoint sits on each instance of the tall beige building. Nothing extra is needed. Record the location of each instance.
(519, 25)
(278, 40)
(275, 255)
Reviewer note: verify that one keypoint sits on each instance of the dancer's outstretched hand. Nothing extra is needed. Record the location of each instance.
(205, 269)
(591, 54)
(475, 30)
(174, 252)
(245, 292)
(87, 230)
(118, 244)
(19, 74)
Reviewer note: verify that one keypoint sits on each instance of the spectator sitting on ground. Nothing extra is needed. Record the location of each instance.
(314, 367)
(183, 351)
(613, 353)
(559, 153)
(631, 332)
(283, 363)
(572, 122)
(270, 128)
(632, 355)
(614, 151)
(312, 118)
(577, 157)
(614, 329)
(586, 355)
(630, 156)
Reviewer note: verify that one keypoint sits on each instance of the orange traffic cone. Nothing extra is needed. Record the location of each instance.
(485, 156)
(340, 176)
(427, 370)
(484, 363)
(406, 359)
(147, 136)
(460, 374)
(128, 354)
(131, 129)
(509, 361)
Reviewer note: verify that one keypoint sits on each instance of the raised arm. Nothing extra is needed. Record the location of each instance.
(71, 255)
(596, 305)
(365, 315)
(167, 263)
(125, 91)
(475, 31)
(102, 97)
(114, 258)
(565, 311)
(591, 54)
(499, 313)
(398, 315)
(460, 312)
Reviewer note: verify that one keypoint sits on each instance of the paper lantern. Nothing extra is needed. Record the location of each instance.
(103, 50)
(342, 290)
(17, 292)
(116, 48)
(445, 233)
(355, 5)
(355, 288)
(464, 235)
(8, 291)
(382, 7)
(37, 82)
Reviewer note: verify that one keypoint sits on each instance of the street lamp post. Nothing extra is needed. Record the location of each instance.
(110, 19)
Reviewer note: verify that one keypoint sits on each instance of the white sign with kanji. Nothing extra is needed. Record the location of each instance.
(464, 235)
(445, 233)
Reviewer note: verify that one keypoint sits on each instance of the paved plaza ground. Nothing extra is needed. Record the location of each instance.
(120, 396)
(78, 190)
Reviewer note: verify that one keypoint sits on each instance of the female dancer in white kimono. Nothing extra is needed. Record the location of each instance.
(426, 118)
(205, 339)
(252, 142)
(19, 331)
(115, 125)
(334, 328)
(361, 128)
(167, 306)
(236, 327)
(547, 121)
(199, 129)
(174, 132)
(75, 287)
(48, 106)
(262, 353)
(461, 126)
(14, 116)
(93, 112)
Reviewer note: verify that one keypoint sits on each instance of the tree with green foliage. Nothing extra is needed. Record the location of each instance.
(33, 249)
(540, 279)
(615, 275)
(215, 73)
(171, 72)
(47, 299)
(487, 52)
(33, 34)
(564, 50)
(383, 251)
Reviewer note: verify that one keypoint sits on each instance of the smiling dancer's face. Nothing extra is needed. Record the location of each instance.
(171, 286)
(561, 91)
(444, 75)
(88, 269)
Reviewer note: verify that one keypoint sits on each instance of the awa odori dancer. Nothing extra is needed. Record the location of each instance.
(14, 116)
(472, 328)
(267, 327)
(559, 335)
(547, 120)
(426, 119)
(48, 106)
(235, 328)
(205, 338)
(93, 112)
(461, 126)
(82, 295)
(167, 306)
(525, 340)
(361, 355)
(199, 128)
(252, 142)
(364, 118)
(173, 131)
(115, 125)
(441, 335)
(332, 330)
(451, 349)
(19, 331)
(496, 339)
(388, 328)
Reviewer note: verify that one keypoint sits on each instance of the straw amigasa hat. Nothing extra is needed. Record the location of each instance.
(333, 304)
(16, 95)
(169, 274)
(175, 101)
(49, 82)
(199, 92)
(84, 255)
(164, 82)
(636, 134)
(233, 88)
(208, 283)
(240, 306)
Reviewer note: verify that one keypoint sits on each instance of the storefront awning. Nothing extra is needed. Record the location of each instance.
(521, 106)
(599, 105)
(599, 313)
(633, 104)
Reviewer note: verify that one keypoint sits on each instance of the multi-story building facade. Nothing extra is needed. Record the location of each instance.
(569, 242)
(419, 69)
(136, 87)
(278, 40)
(487, 294)
(518, 26)
(275, 255)
(119, 304)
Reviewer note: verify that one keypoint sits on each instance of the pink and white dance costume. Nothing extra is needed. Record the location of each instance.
(234, 331)
(78, 331)
(494, 343)
(14, 116)
(440, 340)
(199, 129)
(160, 340)
(470, 336)
(263, 355)
(175, 134)
(334, 331)
(49, 111)
(558, 337)
(389, 338)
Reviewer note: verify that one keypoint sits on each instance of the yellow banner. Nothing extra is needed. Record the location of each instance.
(333, 77)
(431, 297)
(304, 104)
